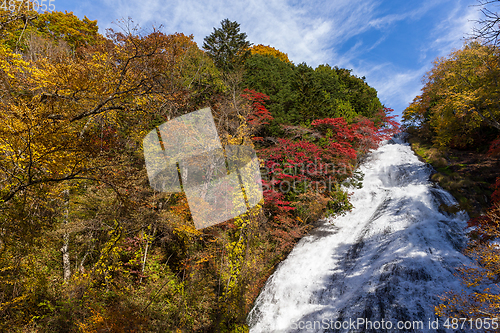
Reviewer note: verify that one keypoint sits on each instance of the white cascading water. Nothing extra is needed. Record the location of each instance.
(389, 259)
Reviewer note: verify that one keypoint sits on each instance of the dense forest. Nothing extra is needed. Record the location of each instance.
(454, 124)
(86, 244)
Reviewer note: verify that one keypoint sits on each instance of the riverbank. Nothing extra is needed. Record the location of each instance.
(467, 174)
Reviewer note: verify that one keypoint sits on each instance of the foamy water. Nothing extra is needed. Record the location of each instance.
(389, 259)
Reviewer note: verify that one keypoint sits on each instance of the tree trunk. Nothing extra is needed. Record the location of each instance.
(65, 247)
(65, 258)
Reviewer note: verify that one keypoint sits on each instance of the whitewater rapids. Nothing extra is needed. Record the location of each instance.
(389, 259)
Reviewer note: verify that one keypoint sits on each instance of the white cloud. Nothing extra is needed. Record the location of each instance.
(318, 31)
(451, 32)
(383, 22)
(399, 88)
(304, 30)
(397, 85)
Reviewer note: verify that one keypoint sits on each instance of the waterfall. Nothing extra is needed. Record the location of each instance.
(385, 262)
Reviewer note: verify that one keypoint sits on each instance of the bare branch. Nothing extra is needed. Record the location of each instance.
(489, 26)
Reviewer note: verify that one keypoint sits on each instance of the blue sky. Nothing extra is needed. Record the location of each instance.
(390, 42)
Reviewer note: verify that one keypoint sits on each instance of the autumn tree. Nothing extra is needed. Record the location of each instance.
(269, 51)
(72, 126)
(16, 27)
(14, 24)
(461, 93)
(69, 28)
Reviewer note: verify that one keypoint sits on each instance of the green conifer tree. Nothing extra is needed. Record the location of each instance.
(227, 46)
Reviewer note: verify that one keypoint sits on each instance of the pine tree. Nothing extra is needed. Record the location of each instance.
(227, 46)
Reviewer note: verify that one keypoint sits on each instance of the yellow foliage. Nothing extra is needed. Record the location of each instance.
(241, 137)
(188, 230)
(269, 51)
(461, 92)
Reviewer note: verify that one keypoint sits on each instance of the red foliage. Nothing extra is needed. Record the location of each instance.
(295, 166)
(259, 115)
(476, 225)
(276, 200)
(128, 253)
(495, 197)
(388, 126)
(494, 147)
(368, 135)
(341, 130)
